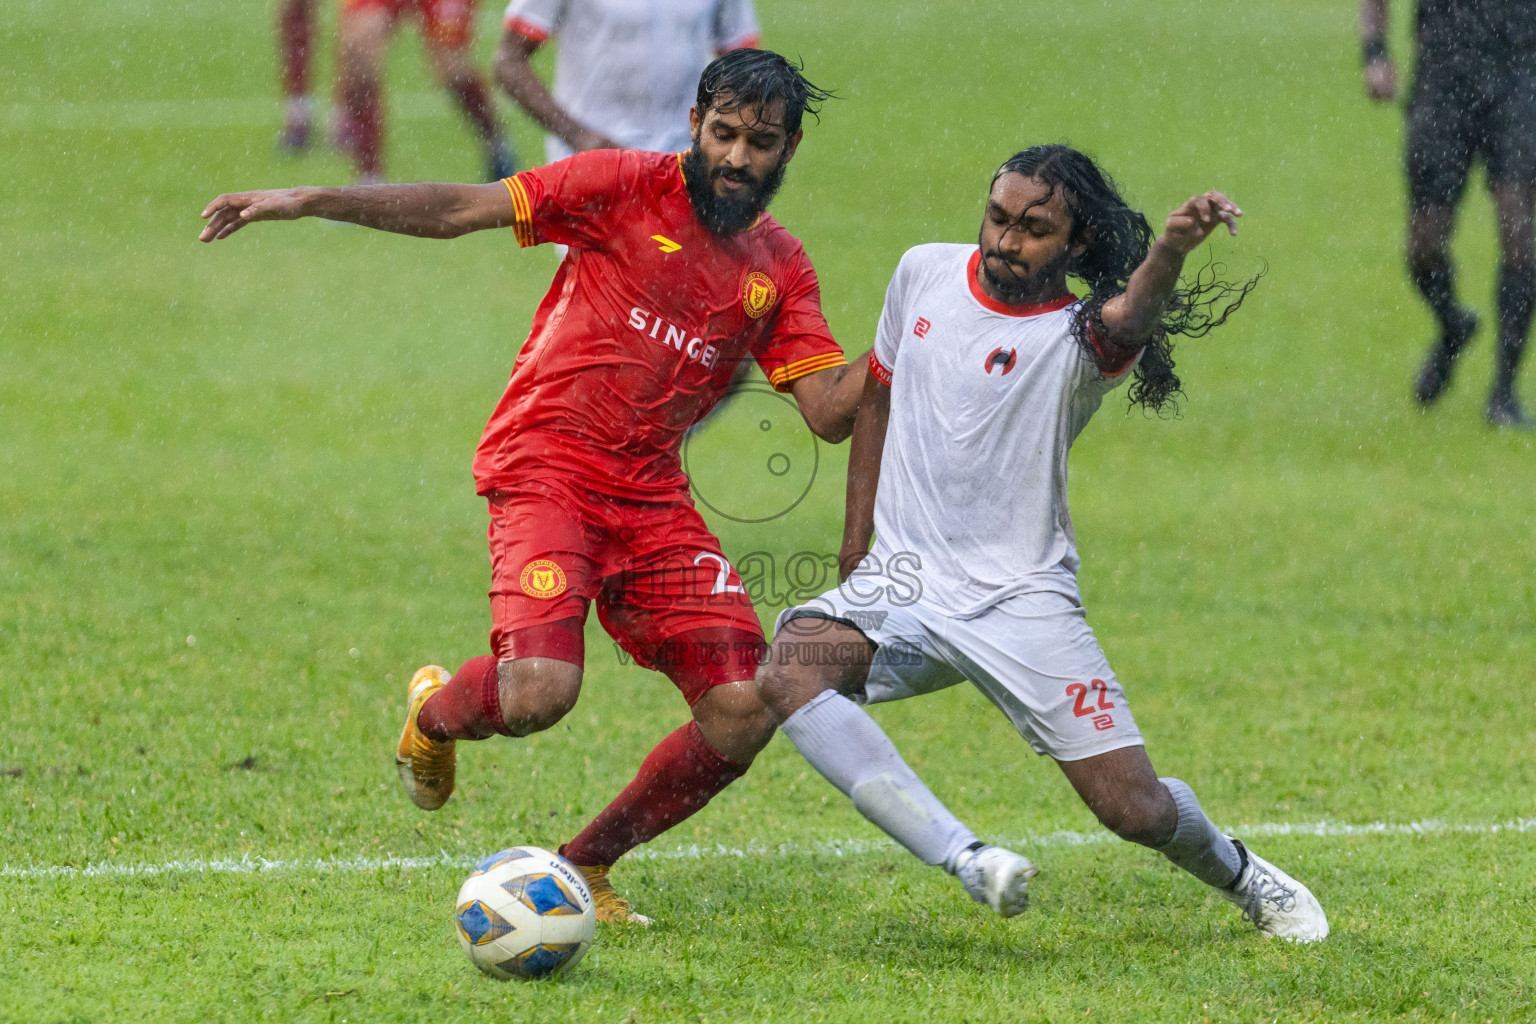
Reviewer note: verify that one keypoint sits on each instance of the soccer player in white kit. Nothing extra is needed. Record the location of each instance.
(984, 369)
(626, 71)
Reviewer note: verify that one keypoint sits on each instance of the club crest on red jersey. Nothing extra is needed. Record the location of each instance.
(1003, 357)
(758, 294)
(543, 579)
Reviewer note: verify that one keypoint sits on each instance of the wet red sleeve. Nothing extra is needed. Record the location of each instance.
(571, 201)
(799, 342)
(1112, 361)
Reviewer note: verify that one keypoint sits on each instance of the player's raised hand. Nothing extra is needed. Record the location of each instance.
(1193, 222)
(233, 211)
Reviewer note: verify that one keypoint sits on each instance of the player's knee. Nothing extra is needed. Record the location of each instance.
(735, 719)
(778, 686)
(1146, 818)
(536, 693)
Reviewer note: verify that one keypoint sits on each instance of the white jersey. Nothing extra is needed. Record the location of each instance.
(630, 68)
(986, 400)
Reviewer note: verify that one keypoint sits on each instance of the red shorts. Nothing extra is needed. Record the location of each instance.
(654, 569)
(446, 22)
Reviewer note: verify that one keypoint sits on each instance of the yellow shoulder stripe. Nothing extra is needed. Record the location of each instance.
(784, 375)
(522, 210)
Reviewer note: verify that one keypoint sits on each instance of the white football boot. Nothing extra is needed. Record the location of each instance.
(997, 877)
(1279, 906)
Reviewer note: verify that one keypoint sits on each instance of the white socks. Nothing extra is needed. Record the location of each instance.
(842, 742)
(1197, 845)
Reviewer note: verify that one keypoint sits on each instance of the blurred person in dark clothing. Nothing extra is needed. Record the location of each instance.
(1473, 97)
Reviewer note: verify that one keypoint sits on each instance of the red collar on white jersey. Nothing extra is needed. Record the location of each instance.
(1032, 309)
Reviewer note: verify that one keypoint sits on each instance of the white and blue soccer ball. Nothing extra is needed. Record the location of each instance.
(525, 913)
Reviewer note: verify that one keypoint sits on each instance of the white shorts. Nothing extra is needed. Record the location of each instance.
(1033, 655)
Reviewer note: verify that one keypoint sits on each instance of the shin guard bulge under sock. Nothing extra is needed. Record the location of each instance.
(676, 779)
(846, 746)
(469, 707)
(1197, 845)
(1517, 300)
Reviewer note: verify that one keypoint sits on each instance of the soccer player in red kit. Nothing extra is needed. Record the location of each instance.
(447, 29)
(675, 273)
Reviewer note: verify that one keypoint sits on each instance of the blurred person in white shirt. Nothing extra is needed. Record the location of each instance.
(625, 72)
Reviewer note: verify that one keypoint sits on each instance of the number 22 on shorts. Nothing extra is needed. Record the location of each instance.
(1081, 708)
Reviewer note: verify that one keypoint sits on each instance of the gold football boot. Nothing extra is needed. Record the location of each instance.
(425, 765)
(611, 907)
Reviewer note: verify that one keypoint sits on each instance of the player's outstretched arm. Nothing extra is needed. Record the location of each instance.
(829, 399)
(864, 455)
(426, 210)
(1132, 316)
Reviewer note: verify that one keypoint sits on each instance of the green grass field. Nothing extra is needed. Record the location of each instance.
(236, 513)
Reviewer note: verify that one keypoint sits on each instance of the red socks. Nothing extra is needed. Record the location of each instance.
(476, 104)
(295, 24)
(675, 780)
(469, 707)
(365, 130)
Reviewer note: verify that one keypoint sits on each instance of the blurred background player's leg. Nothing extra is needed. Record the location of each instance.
(1429, 264)
(447, 29)
(366, 26)
(1516, 300)
(1442, 133)
(295, 45)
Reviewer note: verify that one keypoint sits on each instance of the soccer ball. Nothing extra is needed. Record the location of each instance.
(525, 913)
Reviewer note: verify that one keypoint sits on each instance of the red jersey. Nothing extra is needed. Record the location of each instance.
(643, 326)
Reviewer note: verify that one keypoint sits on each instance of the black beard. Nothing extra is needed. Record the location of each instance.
(726, 216)
(1015, 290)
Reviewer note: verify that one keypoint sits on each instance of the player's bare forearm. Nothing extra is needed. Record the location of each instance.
(864, 456)
(1131, 317)
(829, 399)
(425, 210)
(527, 89)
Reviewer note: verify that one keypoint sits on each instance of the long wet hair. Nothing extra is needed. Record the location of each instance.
(1117, 240)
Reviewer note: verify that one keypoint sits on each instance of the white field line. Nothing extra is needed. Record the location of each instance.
(829, 847)
(209, 112)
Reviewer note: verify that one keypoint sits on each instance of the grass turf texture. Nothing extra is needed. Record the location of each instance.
(235, 513)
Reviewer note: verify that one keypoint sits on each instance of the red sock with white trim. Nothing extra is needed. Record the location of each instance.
(468, 707)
